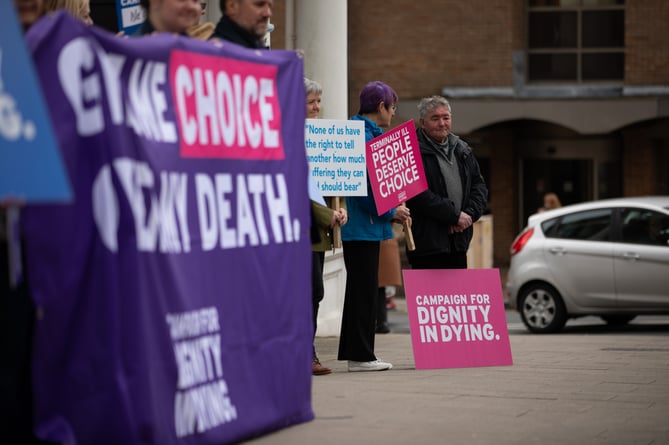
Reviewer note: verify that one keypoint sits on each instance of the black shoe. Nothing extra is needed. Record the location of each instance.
(382, 328)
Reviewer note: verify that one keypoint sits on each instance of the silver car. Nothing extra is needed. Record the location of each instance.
(608, 258)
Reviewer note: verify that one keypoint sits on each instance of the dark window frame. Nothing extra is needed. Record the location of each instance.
(581, 69)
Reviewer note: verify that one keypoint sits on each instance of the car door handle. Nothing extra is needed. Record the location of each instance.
(557, 250)
(631, 256)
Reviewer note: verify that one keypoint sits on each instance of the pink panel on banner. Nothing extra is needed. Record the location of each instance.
(395, 167)
(457, 318)
(226, 108)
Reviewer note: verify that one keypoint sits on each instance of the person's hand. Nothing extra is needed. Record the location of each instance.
(333, 219)
(402, 214)
(342, 216)
(339, 218)
(464, 221)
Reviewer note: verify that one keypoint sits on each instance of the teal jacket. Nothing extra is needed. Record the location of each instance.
(364, 223)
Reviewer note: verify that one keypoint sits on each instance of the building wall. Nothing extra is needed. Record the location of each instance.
(502, 185)
(646, 42)
(419, 48)
(646, 162)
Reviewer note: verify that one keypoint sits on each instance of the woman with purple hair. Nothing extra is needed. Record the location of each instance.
(361, 238)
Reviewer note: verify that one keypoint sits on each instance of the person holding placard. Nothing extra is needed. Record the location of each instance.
(456, 197)
(361, 238)
(325, 219)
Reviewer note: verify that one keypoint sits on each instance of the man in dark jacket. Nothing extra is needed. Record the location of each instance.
(456, 197)
(244, 22)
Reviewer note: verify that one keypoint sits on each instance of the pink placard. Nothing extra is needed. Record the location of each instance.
(395, 167)
(457, 318)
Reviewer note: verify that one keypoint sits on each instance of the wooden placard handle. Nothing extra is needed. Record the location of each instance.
(336, 230)
(408, 234)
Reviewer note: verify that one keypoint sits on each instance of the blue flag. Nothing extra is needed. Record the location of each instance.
(30, 165)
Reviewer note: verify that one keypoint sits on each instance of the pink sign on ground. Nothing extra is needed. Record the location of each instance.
(395, 167)
(457, 318)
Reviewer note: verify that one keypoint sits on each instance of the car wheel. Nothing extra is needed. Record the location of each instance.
(542, 309)
(618, 320)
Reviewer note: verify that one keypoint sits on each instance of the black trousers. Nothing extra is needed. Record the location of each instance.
(381, 310)
(317, 287)
(356, 340)
(454, 260)
(17, 319)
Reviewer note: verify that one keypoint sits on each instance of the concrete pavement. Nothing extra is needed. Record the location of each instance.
(577, 387)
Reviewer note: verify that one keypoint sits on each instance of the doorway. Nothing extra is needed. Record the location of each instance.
(577, 170)
(570, 179)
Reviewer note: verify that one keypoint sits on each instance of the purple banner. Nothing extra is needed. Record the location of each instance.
(173, 303)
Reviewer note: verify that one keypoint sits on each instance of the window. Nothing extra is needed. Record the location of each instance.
(642, 226)
(576, 41)
(592, 225)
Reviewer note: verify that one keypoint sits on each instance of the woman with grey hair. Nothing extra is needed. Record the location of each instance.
(314, 91)
(325, 219)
